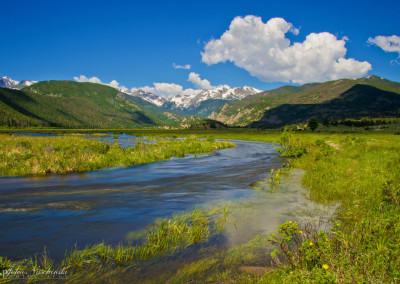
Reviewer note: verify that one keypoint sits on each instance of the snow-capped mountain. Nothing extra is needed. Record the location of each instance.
(26, 83)
(182, 101)
(152, 98)
(224, 93)
(7, 82)
(193, 100)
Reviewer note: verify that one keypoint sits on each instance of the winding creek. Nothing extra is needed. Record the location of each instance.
(59, 211)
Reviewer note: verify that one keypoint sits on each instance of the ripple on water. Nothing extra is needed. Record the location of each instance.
(105, 205)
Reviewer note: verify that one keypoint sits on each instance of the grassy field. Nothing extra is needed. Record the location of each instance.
(25, 155)
(359, 171)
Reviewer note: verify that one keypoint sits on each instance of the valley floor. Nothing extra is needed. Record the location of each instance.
(359, 171)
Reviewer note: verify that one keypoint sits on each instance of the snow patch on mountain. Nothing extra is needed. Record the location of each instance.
(224, 93)
(152, 98)
(184, 101)
(7, 82)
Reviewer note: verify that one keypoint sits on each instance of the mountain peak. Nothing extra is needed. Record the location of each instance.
(373, 77)
(147, 96)
(183, 101)
(223, 92)
(7, 82)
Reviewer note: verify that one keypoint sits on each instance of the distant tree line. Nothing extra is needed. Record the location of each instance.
(19, 122)
(365, 121)
(314, 123)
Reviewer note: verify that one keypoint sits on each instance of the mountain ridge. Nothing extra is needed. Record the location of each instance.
(186, 101)
(254, 108)
(189, 104)
(361, 100)
(71, 104)
(76, 104)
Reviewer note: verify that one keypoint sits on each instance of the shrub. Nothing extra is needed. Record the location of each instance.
(313, 123)
(289, 146)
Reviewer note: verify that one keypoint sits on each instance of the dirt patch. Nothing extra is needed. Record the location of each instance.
(336, 146)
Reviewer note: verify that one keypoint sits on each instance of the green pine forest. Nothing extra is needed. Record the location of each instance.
(67, 104)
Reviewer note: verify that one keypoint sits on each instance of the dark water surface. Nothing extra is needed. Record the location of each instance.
(59, 211)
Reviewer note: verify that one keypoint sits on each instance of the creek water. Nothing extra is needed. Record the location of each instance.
(61, 211)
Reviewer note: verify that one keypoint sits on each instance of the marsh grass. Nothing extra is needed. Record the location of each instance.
(227, 266)
(360, 172)
(98, 135)
(165, 237)
(24, 155)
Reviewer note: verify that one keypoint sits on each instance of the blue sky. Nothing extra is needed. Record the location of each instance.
(136, 42)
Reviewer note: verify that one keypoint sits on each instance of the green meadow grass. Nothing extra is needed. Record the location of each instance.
(25, 155)
(358, 171)
(362, 174)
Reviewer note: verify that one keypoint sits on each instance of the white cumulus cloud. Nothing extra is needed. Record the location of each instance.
(168, 90)
(195, 79)
(387, 43)
(187, 66)
(165, 90)
(113, 83)
(83, 78)
(264, 51)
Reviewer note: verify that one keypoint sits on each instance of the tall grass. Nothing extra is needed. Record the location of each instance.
(362, 174)
(24, 155)
(165, 237)
(359, 171)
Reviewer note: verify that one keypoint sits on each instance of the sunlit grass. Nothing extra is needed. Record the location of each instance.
(25, 155)
(359, 171)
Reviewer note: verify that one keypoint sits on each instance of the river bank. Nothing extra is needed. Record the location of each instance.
(357, 171)
(27, 155)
